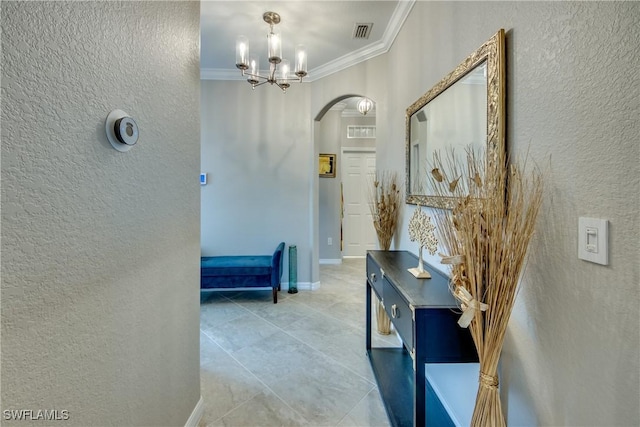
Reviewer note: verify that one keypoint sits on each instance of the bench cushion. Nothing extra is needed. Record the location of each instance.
(243, 271)
(241, 265)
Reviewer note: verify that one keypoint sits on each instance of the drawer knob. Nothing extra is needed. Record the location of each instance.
(373, 277)
(395, 313)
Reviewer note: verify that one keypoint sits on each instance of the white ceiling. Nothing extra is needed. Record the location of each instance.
(324, 27)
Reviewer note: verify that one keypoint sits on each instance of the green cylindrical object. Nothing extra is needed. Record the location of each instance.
(293, 269)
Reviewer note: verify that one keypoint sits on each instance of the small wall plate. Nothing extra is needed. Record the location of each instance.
(593, 240)
(110, 124)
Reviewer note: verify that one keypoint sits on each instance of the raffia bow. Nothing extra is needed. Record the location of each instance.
(469, 306)
(468, 303)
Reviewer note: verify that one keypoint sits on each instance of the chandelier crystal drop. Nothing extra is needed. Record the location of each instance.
(279, 69)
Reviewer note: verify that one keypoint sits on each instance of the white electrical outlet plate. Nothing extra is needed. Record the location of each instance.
(593, 239)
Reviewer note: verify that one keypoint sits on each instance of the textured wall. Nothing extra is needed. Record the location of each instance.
(572, 354)
(572, 350)
(100, 249)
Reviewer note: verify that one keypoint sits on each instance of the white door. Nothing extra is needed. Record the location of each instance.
(357, 225)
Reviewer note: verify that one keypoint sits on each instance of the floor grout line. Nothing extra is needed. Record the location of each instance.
(317, 349)
(356, 405)
(259, 380)
(334, 282)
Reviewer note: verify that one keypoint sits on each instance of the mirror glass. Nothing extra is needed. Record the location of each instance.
(464, 110)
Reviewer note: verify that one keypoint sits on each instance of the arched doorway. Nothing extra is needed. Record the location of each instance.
(344, 224)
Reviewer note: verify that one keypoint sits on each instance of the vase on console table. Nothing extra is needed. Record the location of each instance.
(385, 200)
(383, 322)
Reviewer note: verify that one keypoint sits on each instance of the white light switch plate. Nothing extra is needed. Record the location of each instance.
(593, 240)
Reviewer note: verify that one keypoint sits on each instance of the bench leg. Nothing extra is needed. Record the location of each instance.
(275, 295)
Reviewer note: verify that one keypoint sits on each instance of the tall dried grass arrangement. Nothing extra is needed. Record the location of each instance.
(385, 200)
(485, 237)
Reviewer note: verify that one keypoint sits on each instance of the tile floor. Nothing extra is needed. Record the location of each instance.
(301, 362)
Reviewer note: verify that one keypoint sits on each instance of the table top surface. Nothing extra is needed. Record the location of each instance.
(420, 293)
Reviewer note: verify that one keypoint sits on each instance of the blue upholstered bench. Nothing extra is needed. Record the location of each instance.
(243, 271)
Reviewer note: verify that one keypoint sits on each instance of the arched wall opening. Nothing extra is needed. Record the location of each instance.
(341, 132)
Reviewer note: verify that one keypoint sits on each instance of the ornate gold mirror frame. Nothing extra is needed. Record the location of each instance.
(488, 60)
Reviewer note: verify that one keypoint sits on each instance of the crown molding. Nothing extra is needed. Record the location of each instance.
(396, 22)
(220, 74)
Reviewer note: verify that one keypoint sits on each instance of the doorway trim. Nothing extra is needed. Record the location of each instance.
(351, 150)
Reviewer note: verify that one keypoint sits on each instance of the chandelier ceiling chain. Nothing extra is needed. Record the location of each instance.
(279, 68)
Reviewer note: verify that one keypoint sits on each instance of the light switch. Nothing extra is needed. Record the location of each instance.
(593, 240)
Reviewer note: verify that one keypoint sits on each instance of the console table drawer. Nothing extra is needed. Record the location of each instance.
(375, 274)
(424, 316)
(399, 313)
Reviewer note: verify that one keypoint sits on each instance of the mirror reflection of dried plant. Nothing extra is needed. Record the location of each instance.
(385, 200)
(485, 237)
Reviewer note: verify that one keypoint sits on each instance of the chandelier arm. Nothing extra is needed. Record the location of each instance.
(275, 57)
(259, 84)
(257, 76)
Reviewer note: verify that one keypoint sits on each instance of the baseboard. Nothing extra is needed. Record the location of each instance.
(284, 286)
(354, 257)
(330, 261)
(246, 288)
(196, 414)
(304, 286)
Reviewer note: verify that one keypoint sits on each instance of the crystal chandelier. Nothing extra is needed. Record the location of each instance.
(279, 69)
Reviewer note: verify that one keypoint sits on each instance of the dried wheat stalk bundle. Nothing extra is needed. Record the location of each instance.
(485, 237)
(385, 200)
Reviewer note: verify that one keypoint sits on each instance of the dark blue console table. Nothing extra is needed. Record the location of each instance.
(425, 315)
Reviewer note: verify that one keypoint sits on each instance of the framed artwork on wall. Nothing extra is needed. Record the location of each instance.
(327, 165)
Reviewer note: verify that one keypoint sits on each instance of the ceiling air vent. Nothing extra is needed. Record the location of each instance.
(362, 31)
